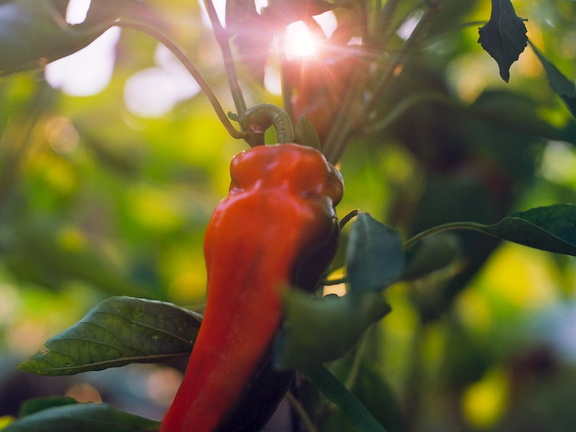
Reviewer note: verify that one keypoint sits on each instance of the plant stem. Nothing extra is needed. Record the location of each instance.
(260, 117)
(406, 104)
(347, 122)
(223, 39)
(297, 406)
(470, 226)
(190, 67)
(414, 378)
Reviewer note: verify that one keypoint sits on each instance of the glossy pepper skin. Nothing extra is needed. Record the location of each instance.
(276, 227)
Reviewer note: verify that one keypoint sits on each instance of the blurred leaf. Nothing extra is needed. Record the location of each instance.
(565, 88)
(317, 330)
(504, 36)
(33, 33)
(433, 253)
(36, 251)
(89, 417)
(550, 228)
(306, 134)
(335, 391)
(118, 331)
(33, 406)
(372, 390)
(374, 257)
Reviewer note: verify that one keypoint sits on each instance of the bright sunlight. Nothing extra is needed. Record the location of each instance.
(300, 42)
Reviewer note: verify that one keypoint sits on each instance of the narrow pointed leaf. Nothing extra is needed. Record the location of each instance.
(503, 36)
(335, 391)
(119, 331)
(306, 134)
(563, 87)
(317, 330)
(89, 417)
(550, 228)
(374, 257)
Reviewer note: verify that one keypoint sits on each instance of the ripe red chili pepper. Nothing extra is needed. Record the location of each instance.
(276, 227)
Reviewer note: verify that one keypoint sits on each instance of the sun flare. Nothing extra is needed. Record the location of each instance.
(300, 42)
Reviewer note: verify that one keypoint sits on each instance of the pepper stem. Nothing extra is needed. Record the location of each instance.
(260, 117)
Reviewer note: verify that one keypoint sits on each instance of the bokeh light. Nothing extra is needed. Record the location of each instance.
(88, 71)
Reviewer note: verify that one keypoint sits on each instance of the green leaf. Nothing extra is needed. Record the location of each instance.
(35, 405)
(33, 33)
(119, 331)
(317, 330)
(306, 134)
(503, 36)
(565, 88)
(334, 390)
(374, 256)
(89, 417)
(551, 228)
(433, 253)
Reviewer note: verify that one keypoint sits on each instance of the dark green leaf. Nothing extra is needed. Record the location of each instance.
(334, 390)
(433, 253)
(89, 417)
(33, 406)
(504, 36)
(323, 329)
(33, 33)
(374, 257)
(565, 88)
(306, 134)
(550, 228)
(119, 331)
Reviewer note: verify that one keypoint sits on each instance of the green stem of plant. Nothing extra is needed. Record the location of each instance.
(297, 406)
(287, 88)
(391, 71)
(260, 117)
(223, 39)
(347, 123)
(404, 106)
(190, 67)
(470, 226)
(414, 377)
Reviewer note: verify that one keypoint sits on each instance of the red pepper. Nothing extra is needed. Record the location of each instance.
(276, 227)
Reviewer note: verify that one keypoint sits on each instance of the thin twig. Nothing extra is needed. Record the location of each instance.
(297, 406)
(223, 39)
(470, 226)
(190, 67)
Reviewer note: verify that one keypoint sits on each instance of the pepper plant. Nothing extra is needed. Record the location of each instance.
(274, 248)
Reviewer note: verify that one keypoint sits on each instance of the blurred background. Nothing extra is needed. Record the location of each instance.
(111, 161)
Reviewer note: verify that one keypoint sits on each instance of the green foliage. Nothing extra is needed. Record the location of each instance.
(338, 324)
(118, 331)
(504, 36)
(565, 88)
(97, 199)
(337, 393)
(59, 415)
(374, 256)
(35, 33)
